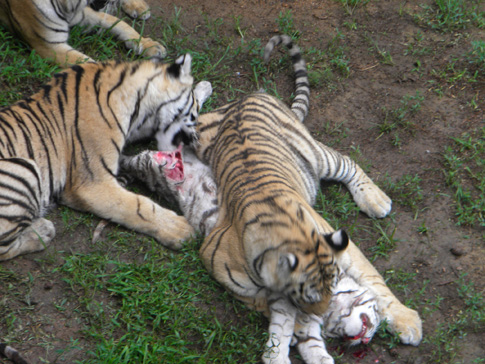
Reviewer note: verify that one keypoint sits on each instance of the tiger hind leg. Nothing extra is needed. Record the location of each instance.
(22, 230)
(367, 195)
(32, 239)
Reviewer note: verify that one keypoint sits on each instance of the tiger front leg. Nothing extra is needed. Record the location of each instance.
(281, 326)
(112, 202)
(61, 53)
(309, 339)
(136, 9)
(124, 32)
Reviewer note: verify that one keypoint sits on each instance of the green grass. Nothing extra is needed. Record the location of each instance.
(405, 191)
(464, 68)
(328, 66)
(451, 15)
(464, 163)
(351, 6)
(401, 118)
(447, 337)
(21, 70)
(173, 320)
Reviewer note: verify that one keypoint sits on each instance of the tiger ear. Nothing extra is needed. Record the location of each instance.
(287, 262)
(338, 240)
(202, 91)
(181, 68)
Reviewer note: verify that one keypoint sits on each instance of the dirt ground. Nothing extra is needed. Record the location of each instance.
(446, 250)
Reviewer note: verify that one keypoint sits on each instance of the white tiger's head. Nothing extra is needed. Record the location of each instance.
(352, 313)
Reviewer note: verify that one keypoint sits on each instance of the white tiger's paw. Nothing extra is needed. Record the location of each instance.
(136, 9)
(405, 323)
(372, 200)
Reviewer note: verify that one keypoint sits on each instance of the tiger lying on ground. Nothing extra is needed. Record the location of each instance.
(268, 246)
(63, 145)
(44, 25)
(181, 178)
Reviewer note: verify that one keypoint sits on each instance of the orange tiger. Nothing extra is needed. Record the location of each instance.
(44, 25)
(63, 144)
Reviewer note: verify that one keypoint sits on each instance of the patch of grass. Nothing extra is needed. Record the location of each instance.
(386, 242)
(336, 52)
(448, 336)
(286, 25)
(333, 133)
(21, 69)
(325, 67)
(451, 15)
(351, 5)
(406, 191)
(383, 55)
(415, 46)
(163, 310)
(337, 207)
(469, 67)
(464, 163)
(401, 116)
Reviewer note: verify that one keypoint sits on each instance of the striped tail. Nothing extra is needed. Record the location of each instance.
(12, 354)
(301, 102)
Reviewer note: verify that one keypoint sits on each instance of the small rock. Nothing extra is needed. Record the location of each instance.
(48, 285)
(458, 252)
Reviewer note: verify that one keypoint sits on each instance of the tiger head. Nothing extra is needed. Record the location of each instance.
(302, 266)
(177, 122)
(352, 314)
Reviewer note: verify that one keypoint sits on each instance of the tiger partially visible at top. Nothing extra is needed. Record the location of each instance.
(63, 145)
(44, 25)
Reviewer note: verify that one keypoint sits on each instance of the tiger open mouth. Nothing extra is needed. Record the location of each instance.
(362, 333)
(173, 165)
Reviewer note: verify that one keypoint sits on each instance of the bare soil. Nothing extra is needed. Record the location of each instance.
(442, 254)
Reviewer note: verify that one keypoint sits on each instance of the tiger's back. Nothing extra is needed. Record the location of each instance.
(268, 237)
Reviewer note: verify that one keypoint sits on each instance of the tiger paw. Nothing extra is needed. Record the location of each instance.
(148, 47)
(136, 9)
(176, 230)
(372, 200)
(407, 324)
